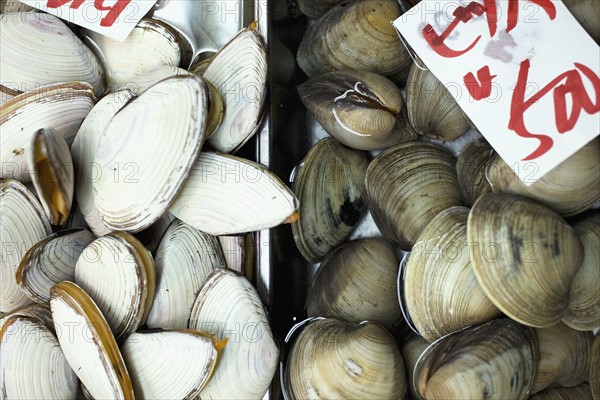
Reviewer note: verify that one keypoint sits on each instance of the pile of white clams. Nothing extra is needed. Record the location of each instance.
(115, 179)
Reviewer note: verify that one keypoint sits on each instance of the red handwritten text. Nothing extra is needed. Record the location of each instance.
(108, 20)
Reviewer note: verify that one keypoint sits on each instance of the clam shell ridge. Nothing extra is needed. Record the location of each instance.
(142, 172)
(442, 294)
(23, 223)
(525, 257)
(335, 359)
(330, 186)
(229, 307)
(184, 258)
(357, 282)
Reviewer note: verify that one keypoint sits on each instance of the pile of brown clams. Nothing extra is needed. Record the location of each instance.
(499, 282)
(116, 180)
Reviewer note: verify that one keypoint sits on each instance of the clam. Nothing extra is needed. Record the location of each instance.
(83, 152)
(13, 6)
(35, 311)
(144, 80)
(559, 393)
(594, 378)
(411, 351)
(470, 169)
(151, 236)
(329, 183)
(570, 188)
(441, 293)
(357, 36)
(587, 13)
(150, 44)
(39, 49)
(169, 364)
(409, 184)
(225, 195)
(142, 171)
(118, 274)
(432, 110)
(23, 224)
(315, 9)
(584, 297)
(564, 357)
(497, 360)
(50, 261)
(239, 73)
(525, 257)
(239, 253)
(184, 258)
(61, 107)
(360, 109)
(76, 219)
(334, 359)
(228, 307)
(357, 282)
(88, 344)
(33, 364)
(52, 174)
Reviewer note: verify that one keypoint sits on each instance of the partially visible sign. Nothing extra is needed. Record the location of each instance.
(112, 18)
(524, 71)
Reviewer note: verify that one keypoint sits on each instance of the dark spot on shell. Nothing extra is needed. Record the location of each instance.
(350, 211)
(514, 382)
(516, 244)
(18, 152)
(555, 246)
(486, 394)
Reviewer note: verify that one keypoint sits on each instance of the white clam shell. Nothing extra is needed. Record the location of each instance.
(142, 171)
(118, 278)
(52, 174)
(33, 364)
(138, 84)
(227, 195)
(169, 364)
(228, 306)
(239, 72)
(51, 261)
(39, 49)
(149, 45)
(88, 343)
(22, 224)
(184, 259)
(61, 107)
(84, 150)
(238, 252)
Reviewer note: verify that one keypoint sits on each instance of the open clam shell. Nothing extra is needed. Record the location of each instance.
(229, 307)
(334, 359)
(432, 110)
(90, 348)
(23, 223)
(185, 257)
(564, 357)
(118, 274)
(142, 171)
(570, 188)
(360, 109)
(52, 174)
(357, 282)
(330, 186)
(584, 299)
(355, 35)
(33, 364)
(594, 378)
(226, 195)
(441, 292)
(83, 152)
(497, 360)
(50, 261)
(525, 257)
(560, 393)
(150, 44)
(169, 364)
(239, 72)
(39, 49)
(470, 168)
(409, 184)
(61, 107)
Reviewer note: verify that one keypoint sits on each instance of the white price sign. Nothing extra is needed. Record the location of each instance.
(524, 71)
(113, 18)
